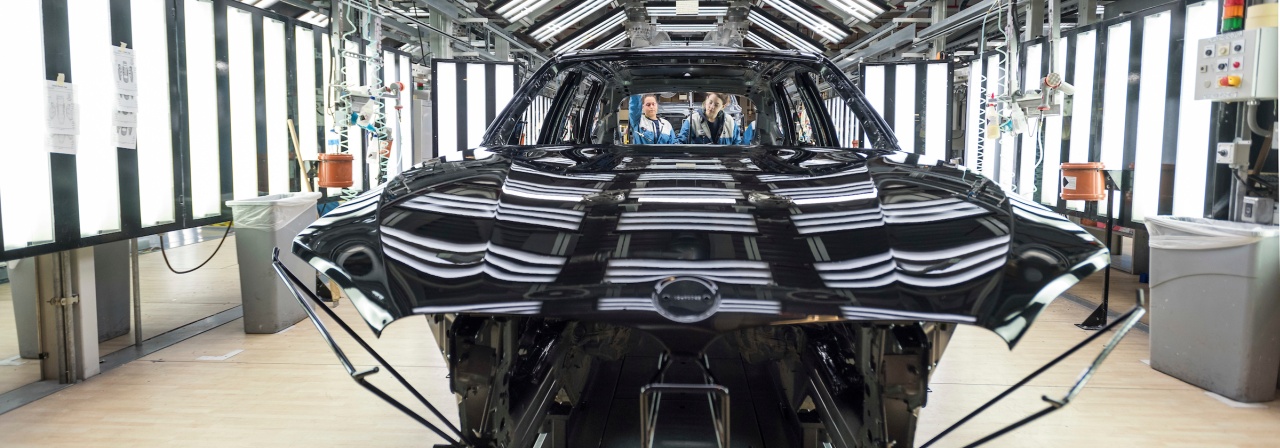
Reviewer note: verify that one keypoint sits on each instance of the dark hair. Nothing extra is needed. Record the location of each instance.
(647, 96)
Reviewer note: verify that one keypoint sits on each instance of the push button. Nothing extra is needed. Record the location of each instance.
(1229, 81)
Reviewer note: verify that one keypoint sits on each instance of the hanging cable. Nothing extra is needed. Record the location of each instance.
(165, 255)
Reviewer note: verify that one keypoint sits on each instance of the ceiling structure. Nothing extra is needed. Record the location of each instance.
(848, 31)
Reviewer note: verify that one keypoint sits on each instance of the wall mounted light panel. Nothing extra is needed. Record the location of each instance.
(25, 183)
(446, 90)
(1082, 106)
(1053, 139)
(405, 115)
(904, 106)
(935, 109)
(155, 132)
(244, 118)
(92, 68)
(326, 97)
(355, 136)
(202, 110)
(1151, 102)
(308, 110)
(873, 84)
(504, 87)
(1115, 99)
(276, 89)
(1191, 169)
(990, 157)
(476, 91)
(973, 111)
(1030, 151)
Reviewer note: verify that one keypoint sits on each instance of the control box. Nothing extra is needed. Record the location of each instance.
(1237, 66)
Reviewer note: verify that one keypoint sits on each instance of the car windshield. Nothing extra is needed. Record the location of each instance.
(704, 97)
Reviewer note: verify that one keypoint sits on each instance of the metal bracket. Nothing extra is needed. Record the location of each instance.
(651, 396)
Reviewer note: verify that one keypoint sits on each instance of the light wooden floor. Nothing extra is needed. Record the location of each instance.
(287, 390)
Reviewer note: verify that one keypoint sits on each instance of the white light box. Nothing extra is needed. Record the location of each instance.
(405, 116)
(446, 90)
(476, 92)
(244, 104)
(973, 108)
(1049, 190)
(988, 159)
(1191, 167)
(1115, 102)
(155, 131)
(202, 111)
(935, 106)
(355, 136)
(25, 183)
(874, 87)
(1030, 150)
(1082, 106)
(276, 89)
(308, 109)
(904, 106)
(1151, 101)
(93, 69)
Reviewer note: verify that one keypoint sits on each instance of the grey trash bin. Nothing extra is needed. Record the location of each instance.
(262, 224)
(1215, 311)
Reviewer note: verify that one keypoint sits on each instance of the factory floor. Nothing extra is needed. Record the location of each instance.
(224, 388)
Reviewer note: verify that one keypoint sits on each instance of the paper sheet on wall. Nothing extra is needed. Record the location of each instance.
(123, 118)
(126, 137)
(126, 72)
(64, 118)
(127, 102)
(62, 143)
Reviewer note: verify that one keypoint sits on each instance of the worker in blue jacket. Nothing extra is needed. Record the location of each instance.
(648, 128)
(749, 129)
(711, 124)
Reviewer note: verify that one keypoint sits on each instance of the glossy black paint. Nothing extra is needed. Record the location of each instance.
(869, 235)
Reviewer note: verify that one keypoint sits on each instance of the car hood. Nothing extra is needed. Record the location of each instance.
(743, 236)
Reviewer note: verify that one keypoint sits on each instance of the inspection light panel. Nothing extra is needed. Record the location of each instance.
(593, 33)
(563, 22)
(613, 42)
(777, 29)
(760, 41)
(863, 10)
(687, 27)
(815, 23)
(670, 11)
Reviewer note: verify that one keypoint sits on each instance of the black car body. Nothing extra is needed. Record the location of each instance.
(572, 278)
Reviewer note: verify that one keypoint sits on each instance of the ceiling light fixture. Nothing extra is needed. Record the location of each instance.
(564, 21)
(583, 38)
(816, 23)
(778, 29)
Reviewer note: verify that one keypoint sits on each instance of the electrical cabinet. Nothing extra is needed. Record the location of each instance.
(1237, 66)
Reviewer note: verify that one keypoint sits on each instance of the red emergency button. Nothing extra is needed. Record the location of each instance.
(1229, 81)
(1235, 64)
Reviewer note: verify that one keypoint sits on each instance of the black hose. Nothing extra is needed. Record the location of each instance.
(215, 252)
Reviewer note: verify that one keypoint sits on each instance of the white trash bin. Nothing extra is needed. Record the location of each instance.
(1215, 305)
(263, 224)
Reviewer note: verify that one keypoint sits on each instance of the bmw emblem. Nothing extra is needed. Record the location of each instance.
(686, 299)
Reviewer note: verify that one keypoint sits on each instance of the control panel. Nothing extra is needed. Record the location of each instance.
(1237, 66)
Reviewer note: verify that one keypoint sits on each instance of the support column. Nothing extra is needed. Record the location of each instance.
(83, 302)
(1087, 11)
(937, 13)
(1035, 20)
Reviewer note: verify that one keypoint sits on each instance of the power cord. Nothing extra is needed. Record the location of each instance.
(215, 252)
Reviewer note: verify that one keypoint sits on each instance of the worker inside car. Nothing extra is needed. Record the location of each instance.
(648, 128)
(748, 124)
(711, 124)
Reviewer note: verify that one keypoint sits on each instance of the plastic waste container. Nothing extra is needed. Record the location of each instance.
(1215, 311)
(262, 224)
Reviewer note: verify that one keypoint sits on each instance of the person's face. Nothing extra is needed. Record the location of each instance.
(712, 105)
(650, 107)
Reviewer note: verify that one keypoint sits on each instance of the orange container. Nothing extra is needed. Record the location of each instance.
(1082, 181)
(335, 170)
